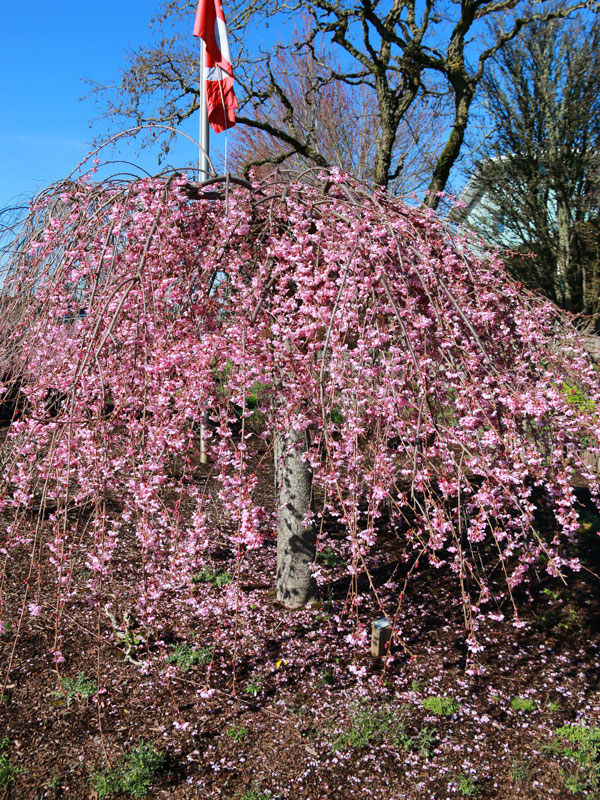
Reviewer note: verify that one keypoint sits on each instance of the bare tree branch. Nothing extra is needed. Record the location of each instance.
(406, 54)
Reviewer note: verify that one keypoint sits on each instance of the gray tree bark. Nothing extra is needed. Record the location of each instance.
(563, 267)
(296, 541)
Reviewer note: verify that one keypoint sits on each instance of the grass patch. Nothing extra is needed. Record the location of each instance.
(368, 725)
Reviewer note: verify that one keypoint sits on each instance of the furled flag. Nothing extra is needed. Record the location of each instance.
(221, 101)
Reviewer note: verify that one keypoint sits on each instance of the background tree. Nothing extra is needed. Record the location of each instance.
(402, 52)
(342, 122)
(540, 180)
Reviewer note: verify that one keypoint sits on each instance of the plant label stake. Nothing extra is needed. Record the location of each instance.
(381, 633)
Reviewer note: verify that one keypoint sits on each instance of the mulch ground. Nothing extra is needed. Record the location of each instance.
(251, 701)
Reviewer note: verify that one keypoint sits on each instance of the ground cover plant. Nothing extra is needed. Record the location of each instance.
(8, 771)
(202, 392)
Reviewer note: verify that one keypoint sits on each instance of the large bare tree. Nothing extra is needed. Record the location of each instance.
(342, 122)
(540, 179)
(402, 52)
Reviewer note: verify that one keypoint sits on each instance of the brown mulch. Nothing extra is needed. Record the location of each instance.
(277, 704)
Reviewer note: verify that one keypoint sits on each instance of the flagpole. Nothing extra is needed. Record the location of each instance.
(203, 154)
(203, 175)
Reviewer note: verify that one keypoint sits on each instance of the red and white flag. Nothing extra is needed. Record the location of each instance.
(221, 101)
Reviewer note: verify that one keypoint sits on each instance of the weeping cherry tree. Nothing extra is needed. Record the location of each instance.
(398, 378)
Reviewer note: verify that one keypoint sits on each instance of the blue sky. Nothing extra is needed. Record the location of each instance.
(48, 48)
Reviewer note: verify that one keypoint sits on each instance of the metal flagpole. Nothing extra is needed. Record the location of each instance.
(203, 175)
(203, 154)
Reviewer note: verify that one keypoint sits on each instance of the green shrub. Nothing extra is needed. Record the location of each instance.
(329, 558)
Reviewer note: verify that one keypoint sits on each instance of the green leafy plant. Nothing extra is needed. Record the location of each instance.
(562, 613)
(336, 417)
(6, 630)
(574, 784)
(82, 687)
(253, 687)
(467, 785)
(237, 733)
(583, 748)
(218, 578)
(330, 559)
(589, 521)
(571, 620)
(185, 657)
(523, 704)
(577, 398)
(256, 793)
(134, 774)
(441, 706)
(551, 594)
(55, 782)
(367, 725)
(519, 772)
(8, 770)
(421, 742)
(254, 400)
(326, 677)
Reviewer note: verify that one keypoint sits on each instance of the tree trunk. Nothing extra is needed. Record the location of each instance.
(296, 542)
(563, 287)
(383, 158)
(450, 153)
(392, 109)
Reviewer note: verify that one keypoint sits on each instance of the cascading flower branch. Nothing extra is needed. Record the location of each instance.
(432, 395)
